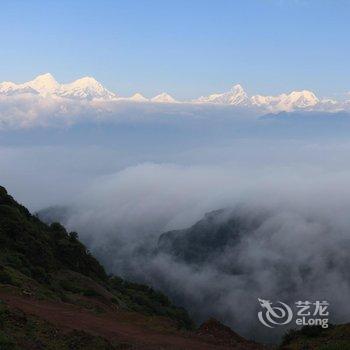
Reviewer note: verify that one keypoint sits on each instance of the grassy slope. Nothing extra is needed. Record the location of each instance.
(21, 331)
(49, 263)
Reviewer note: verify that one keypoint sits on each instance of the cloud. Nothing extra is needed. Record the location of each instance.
(298, 249)
(34, 110)
(29, 110)
(124, 186)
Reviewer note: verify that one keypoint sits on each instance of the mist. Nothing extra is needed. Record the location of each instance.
(122, 186)
(298, 251)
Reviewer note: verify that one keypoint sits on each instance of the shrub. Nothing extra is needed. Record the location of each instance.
(6, 343)
(289, 336)
(342, 345)
(5, 278)
(91, 293)
(312, 331)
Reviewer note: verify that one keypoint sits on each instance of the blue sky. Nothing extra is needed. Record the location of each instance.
(187, 48)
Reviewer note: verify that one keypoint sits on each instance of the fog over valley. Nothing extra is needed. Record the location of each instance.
(280, 180)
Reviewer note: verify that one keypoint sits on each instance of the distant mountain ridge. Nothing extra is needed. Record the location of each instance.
(206, 239)
(88, 88)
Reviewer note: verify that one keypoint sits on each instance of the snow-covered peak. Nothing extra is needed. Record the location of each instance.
(44, 84)
(138, 98)
(286, 102)
(163, 98)
(85, 88)
(237, 89)
(236, 96)
(86, 82)
(303, 99)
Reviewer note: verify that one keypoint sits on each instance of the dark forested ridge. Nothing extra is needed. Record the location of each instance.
(41, 252)
(55, 295)
(37, 250)
(47, 262)
(208, 238)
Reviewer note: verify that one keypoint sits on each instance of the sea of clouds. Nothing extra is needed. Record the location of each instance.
(298, 252)
(28, 110)
(121, 185)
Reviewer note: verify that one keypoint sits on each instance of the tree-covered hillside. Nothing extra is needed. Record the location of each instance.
(52, 262)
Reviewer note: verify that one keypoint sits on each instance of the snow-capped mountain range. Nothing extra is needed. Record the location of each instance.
(89, 89)
(303, 99)
(46, 84)
(236, 96)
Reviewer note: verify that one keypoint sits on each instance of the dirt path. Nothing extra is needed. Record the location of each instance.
(110, 325)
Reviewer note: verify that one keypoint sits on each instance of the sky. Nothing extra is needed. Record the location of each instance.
(187, 48)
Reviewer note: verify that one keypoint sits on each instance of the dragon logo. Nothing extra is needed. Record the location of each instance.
(274, 315)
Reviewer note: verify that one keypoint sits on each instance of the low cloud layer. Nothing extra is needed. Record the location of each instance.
(33, 110)
(121, 186)
(297, 252)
